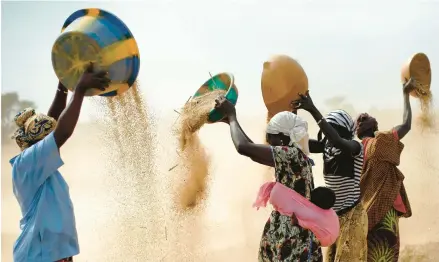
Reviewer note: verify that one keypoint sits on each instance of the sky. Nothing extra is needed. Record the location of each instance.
(347, 49)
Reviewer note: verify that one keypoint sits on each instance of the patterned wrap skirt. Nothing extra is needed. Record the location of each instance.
(351, 245)
(383, 240)
(283, 240)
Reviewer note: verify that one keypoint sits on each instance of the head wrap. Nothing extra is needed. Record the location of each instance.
(342, 119)
(290, 125)
(32, 127)
(365, 123)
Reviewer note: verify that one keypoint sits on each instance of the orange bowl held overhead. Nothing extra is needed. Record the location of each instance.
(283, 78)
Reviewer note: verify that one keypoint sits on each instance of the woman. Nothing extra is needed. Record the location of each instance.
(282, 239)
(342, 164)
(382, 188)
(48, 223)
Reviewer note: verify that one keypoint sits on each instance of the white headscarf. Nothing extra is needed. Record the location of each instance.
(290, 125)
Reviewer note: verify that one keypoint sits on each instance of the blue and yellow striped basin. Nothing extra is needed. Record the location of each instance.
(94, 35)
(224, 81)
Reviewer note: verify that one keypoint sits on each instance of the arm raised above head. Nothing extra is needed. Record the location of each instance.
(59, 102)
(305, 102)
(257, 152)
(69, 117)
(403, 129)
(316, 147)
(351, 146)
(243, 144)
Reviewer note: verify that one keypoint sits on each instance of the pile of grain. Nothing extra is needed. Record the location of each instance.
(195, 162)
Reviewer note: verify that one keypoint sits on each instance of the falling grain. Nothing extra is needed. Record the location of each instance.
(195, 162)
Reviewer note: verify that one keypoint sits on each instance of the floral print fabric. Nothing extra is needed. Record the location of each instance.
(282, 239)
(383, 240)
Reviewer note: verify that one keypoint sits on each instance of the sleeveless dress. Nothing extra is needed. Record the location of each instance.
(282, 240)
(384, 195)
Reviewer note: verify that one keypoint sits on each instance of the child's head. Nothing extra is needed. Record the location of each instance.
(323, 197)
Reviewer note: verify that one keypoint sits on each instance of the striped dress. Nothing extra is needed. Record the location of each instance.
(342, 173)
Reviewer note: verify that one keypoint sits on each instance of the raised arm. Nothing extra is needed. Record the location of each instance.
(305, 102)
(69, 117)
(406, 125)
(315, 146)
(240, 128)
(59, 102)
(257, 152)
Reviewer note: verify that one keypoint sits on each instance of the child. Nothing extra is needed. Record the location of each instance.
(315, 214)
(323, 197)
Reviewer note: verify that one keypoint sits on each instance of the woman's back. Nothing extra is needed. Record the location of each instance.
(293, 169)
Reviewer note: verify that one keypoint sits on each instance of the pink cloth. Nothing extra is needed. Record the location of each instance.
(323, 223)
(399, 204)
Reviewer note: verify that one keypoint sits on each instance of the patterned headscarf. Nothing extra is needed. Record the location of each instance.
(333, 156)
(32, 127)
(343, 119)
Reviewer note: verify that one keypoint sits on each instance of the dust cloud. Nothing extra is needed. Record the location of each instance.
(123, 196)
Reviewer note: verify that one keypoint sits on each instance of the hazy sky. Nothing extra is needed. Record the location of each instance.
(346, 48)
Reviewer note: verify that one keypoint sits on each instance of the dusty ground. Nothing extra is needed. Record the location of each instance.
(124, 215)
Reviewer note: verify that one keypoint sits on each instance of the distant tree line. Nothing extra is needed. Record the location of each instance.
(11, 105)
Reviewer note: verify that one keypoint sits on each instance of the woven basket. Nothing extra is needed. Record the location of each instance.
(418, 67)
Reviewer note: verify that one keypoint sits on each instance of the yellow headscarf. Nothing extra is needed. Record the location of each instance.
(32, 127)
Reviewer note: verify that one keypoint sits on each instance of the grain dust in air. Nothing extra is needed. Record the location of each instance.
(193, 158)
